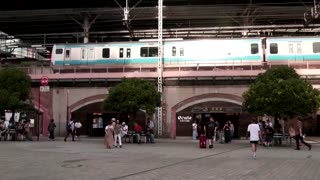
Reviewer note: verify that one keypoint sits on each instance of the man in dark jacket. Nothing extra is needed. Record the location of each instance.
(51, 128)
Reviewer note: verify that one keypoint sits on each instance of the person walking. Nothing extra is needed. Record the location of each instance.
(255, 136)
(70, 130)
(210, 131)
(295, 130)
(77, 126)
(51, 128)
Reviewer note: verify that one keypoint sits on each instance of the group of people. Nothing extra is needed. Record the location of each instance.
(256, 135)
(210, 130)
(22, 129)
(115, 131)
(73, 128)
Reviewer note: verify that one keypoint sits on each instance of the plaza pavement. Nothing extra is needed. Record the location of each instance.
(166, 159)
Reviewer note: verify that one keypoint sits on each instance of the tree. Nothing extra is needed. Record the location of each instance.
(280, 92)
(15, 88)
(131, 95)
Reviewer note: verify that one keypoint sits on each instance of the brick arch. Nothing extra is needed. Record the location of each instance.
(199, 99)
(85, 101)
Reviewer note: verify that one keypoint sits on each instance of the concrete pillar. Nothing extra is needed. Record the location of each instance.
(86, 29)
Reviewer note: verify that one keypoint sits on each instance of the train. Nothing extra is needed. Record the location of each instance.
(241, 51)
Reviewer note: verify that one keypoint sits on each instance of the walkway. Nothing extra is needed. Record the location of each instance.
(166, 159)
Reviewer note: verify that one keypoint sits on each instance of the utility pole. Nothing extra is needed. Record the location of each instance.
(160, 65)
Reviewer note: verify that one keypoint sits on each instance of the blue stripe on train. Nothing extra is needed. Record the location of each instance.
(298, 57)
(154, 60)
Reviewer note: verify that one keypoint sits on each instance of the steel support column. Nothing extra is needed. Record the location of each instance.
(160, 64)
(86, 29)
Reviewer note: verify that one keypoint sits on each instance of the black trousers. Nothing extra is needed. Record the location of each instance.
(67, 135)
(51, 135)
(299, 138)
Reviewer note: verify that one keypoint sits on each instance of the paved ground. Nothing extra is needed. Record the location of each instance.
(167, 159)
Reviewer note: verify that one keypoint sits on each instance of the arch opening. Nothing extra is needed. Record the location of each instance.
(198, 109)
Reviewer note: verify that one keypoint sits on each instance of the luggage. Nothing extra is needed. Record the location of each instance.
(203, 141)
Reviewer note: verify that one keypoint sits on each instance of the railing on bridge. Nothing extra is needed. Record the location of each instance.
(171, 70)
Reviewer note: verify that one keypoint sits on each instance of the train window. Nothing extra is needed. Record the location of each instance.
(128, 53)
(67, 53)
(59, 51)
(254, 49)
(83, 53)
(273, 48)
(174, 51)
(149, 52)
(144, 52)
(290, 48)
(181, 51)
(316, 47)
(106, 53)
(299, 48)
(153, 51)
(121, 53)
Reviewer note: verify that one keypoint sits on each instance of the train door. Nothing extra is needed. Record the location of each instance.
(295, 51)
(90, 56)
(84, 59)
(124, 55)
(67, 56)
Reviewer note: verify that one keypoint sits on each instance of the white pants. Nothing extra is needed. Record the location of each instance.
(117, 136)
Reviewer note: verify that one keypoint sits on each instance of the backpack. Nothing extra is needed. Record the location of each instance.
(69, 129)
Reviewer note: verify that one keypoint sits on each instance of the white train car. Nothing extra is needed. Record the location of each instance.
(215, 52)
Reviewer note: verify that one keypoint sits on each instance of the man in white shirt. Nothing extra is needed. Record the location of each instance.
(255, 135)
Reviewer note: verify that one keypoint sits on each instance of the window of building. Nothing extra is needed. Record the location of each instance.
(316, 47)
(128, 53)
(149, 52)
(121, 53)
(273, 48)
(59, 51)
(181, 51)
(254, 48)
(106, 52)
(174, 51)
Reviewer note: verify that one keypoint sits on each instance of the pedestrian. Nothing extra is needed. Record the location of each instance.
(70, 130)
(194, 130)
(210, 130)
(77, 126)
(117, 134)
(27, 131)
(51, 128)
(295, 130)
(108, 138)
(255, 136)
(150, 131)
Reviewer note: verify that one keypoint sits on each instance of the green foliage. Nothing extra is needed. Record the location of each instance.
(281, 92)
(132, 95)
(15, 87)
